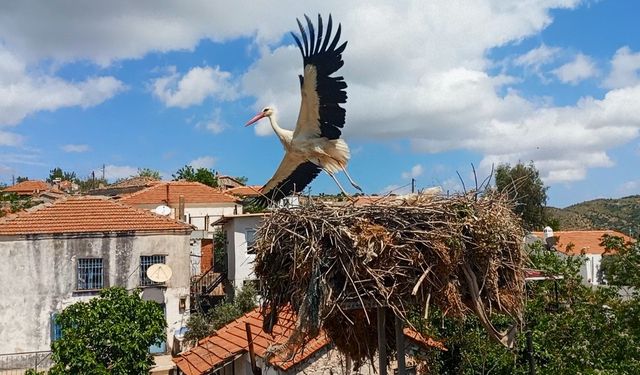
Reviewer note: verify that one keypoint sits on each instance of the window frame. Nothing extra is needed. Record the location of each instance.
(85, 270)
(250, 244)
(144, 280)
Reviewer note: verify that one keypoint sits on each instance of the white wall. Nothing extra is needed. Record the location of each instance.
(590, 268)
(38, 277)
(240, 263)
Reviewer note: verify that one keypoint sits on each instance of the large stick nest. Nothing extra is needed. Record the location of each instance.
(334, 265)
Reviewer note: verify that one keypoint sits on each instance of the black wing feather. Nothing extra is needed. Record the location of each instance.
(295, 182)
(327, 59)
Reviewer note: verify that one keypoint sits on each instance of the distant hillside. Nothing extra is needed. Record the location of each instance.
(621, 214)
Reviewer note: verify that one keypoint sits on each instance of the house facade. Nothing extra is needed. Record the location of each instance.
(240, 231)
(587, 244)
(198, 204)
(57, 254)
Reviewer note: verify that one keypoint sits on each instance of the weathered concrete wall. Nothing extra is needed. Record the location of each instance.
(38, 277)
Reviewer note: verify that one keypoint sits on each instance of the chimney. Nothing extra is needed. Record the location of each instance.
(181, 208)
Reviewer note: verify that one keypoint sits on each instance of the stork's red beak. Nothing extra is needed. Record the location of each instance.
(255, 119)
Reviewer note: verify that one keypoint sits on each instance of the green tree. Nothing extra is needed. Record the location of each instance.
(579, 330)
(202, 175)
(110, 334)
(621, 263)
(148, 173)
(91, 182)
(523, 185)
(241, 179)
(20, 179)
(203, 324)
(57, 172)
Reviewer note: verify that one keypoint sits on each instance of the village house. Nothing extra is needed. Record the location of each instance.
(56, 254)
(586, 243)
(226, 352)
(194, 203)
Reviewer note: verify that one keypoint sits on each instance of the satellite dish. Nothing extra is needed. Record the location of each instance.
(162, 210)
(159, 273)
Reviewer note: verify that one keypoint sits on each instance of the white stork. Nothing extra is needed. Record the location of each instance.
(315, 144)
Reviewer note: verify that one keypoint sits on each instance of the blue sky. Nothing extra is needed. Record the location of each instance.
(433, 88)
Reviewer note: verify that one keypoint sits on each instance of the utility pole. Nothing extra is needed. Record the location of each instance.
(413, 185)
(103, 172)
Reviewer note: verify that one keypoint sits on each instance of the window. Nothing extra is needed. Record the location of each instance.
(56, 330)
(250, 235)
(90, 274)
(145, 262)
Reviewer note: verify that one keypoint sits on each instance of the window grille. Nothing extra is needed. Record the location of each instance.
(250, 235)
(56, 330)
(145, 262)
(90, 274)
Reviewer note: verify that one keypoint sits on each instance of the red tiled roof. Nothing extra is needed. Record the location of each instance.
(231, 340)
(28, 187)
(245, 191)
(169, 192)
(587, 240)
(86, 215)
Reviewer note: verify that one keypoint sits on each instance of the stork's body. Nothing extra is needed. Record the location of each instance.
(315, 144)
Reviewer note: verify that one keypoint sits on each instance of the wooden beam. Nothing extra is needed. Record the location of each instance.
(400, 347)
(252, 353)
(382, 341)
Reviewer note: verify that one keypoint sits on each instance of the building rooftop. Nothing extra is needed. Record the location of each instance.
(28, 187)
(169, 192)
(582, 240)
(87, 214)
(245, 191)
(227, 343)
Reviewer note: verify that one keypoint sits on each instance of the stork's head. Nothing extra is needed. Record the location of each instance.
(266, 112)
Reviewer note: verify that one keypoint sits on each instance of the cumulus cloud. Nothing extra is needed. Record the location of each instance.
(114, 172)
(203, 162)
(75, 148)
(23, 92)
(194, 87)
(415, 171)
(581, 68)
(536, 58)
(625, 69)
(629, 188)
(213, 123)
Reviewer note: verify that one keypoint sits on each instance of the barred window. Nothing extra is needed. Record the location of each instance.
(145, 262)
(90, 274)
(250, 235)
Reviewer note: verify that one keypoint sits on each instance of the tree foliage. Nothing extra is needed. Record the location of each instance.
(148, 173)
(110, 334)
(579, 330)
(524, 186)
(621, 263)
(203, 324)
(58, 173)
(20, 179)
(202, 175)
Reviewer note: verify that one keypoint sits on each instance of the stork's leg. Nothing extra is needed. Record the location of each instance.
(351, 180)
(337, 183)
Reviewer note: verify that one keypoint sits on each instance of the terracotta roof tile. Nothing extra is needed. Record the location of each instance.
(587, 240)
(86, 215)
(28, 187)
(169, 192)
(232, 340)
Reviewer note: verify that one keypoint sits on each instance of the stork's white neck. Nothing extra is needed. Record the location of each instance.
(284, 134)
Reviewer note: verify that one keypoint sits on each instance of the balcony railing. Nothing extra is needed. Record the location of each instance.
(18, 363)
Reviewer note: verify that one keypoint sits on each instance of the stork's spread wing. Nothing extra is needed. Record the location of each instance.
(293, 175)
(320, 111)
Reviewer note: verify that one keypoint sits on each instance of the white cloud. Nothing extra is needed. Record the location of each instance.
(581, 68)
(10, 139)
(415, 171)
(194, 87)
(75, 148)
(213, 124)
(203, 162)
(625, 69)
(114, 172)
(537, 57)
(23, 92)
